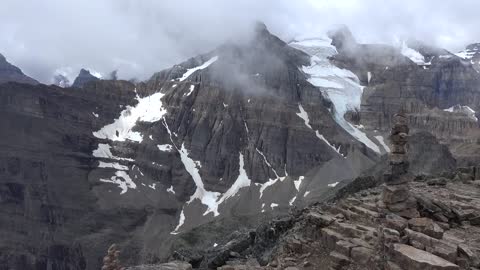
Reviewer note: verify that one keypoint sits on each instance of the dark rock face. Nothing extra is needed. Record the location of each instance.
(226, 138)
(230, 127)
(11, 73)
(83, 77)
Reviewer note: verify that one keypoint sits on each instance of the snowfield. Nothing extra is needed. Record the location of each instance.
(341, 86)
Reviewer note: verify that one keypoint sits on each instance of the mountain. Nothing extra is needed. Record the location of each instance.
(11, 73)
(231, 138)
(427, 83)
(83, 77)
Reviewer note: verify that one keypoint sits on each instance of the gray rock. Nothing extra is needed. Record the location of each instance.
(175, 265)
(416, 259)
(426, 226)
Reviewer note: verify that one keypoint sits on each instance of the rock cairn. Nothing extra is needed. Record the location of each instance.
(111, 260)
(396, 195)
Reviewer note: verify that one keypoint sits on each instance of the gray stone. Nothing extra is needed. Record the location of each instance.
(395, 194)
(415, 259)
(175, 265)
(426, 226)
(437, 182)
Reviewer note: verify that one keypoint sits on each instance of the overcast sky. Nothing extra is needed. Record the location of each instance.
(139, 37)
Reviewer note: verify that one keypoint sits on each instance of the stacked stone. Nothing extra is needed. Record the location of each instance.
(396, 195)
(111, 261)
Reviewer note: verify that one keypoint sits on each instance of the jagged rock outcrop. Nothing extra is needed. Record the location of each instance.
(11, 73)
(353, 233)
(83, 77)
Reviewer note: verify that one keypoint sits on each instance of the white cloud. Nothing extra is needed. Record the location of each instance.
(141, 37)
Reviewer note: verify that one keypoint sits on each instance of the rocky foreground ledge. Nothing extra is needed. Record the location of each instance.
(357, 232)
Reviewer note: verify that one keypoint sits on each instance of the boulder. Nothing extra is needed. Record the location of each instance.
(426, 226)
(441, 181)
(416, 259)
(395, 194)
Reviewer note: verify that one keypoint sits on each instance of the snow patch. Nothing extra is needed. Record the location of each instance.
(273, 205)
(103, 151)
(170, 189)
(333, 184)
(203, 66)
(114, 165)
(464, 110)
(382, 143)
(95, 114)
(241, 182)
(304, 115)
(190, 91)
(165, 147)
(123, 180)
(298, 182)
(181, 221)
(207, 198)
(413, 55)
(148, 109)
(215, 244)
(369, 76)
(292, 201)
(306, 194)
(152, 186)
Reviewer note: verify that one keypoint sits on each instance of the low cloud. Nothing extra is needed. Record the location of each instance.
(140, 37)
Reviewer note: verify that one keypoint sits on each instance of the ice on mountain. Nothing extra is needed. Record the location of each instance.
(304, 115)
(190, 91)
(298, 182)
(114, 165)
(170, 189)
(333, 184)
(241, 182)
(181, 221)
(413, 55)
(165, 147)
(345, 98)
(203, 66)
(123, 180)
(207, 198)
(382, 143)
(148, 109)
(464, 110)
(103, 151)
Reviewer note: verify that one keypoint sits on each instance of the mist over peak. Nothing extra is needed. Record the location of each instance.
(141, 38)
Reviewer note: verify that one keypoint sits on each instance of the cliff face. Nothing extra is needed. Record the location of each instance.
(230, 135)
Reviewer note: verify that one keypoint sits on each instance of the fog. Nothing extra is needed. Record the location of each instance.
(140, 37)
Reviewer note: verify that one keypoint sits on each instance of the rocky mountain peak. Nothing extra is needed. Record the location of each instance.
(83, 77)
(11, 73)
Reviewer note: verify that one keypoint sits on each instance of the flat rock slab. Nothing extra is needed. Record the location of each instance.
(175, 265)
(416, 259)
